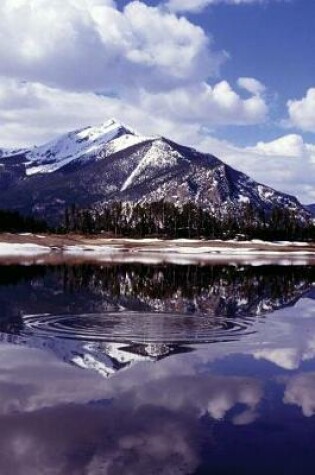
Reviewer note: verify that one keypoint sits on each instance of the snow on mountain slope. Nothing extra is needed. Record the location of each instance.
(84, 145)
(180, 175)
(159, 156)
(98, 165)
(4, 153)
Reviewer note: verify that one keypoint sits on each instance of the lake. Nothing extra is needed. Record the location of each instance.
(157, 369)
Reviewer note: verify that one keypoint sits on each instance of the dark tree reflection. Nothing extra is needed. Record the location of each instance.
(195, 290)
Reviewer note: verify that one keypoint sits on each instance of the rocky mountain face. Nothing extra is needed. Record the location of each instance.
(97, 165)
(311, 208)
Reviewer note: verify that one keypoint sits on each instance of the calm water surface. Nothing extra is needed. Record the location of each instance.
(165, 369)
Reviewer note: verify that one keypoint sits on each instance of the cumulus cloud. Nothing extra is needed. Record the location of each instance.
(198, 5)
(144, 65)
(287, 146)
(90, 44)
(33, 113)
(302, 111)
(218, 105)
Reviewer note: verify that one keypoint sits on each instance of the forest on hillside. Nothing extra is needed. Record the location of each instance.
(165, 220)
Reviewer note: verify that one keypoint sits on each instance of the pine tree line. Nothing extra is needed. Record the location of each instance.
(14, 222)
(164, 219)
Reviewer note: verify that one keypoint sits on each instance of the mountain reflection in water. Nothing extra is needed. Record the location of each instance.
(115, 315)
(186, 370)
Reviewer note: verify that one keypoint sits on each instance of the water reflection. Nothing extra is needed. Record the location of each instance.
(187, 370)
(114, 316)
(300, 391)
(171, 418)
(210, 290)
(125, 427)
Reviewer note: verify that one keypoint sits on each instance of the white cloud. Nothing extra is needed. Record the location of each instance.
(288, 146)
(32, 112)
(91, 45)
(251, 85)
(198, 5)
(154, 68)
(217, 105)
(302, 112)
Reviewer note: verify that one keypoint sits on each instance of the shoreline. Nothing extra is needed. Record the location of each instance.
(52, 249)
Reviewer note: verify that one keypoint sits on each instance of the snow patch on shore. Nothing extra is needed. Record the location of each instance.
(21, 249)
(155, 250)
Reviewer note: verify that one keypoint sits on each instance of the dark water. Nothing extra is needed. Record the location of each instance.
(135, 369)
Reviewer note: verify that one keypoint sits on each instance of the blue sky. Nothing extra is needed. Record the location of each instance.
(274, 43)
(235, 78)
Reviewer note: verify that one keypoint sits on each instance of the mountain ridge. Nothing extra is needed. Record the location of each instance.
(311, 208)
(93, 166)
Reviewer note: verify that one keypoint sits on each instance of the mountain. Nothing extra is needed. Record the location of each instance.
(96, 165)
(311, 208)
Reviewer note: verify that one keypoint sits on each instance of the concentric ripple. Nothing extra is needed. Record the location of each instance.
(137, 327)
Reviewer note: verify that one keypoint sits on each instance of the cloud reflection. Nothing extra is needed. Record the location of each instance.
(300, 391)
(60, 420)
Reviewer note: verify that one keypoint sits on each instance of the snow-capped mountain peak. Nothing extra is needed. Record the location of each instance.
(106, 131)
(84, 144)
(111, 162)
